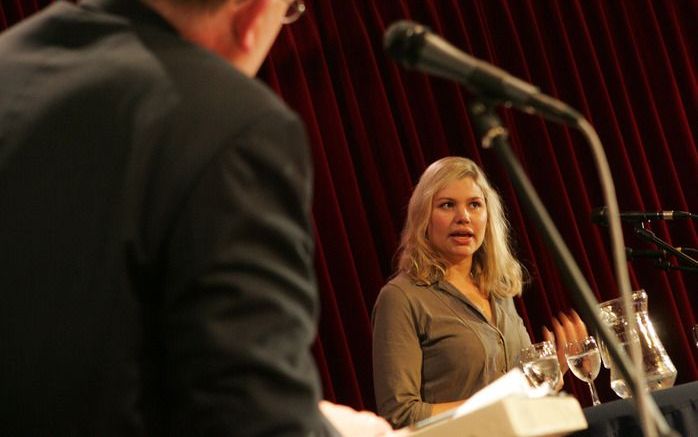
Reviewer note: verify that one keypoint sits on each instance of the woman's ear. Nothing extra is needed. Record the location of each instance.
(245, 21)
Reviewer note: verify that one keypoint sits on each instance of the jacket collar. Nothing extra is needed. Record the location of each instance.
(133, 10)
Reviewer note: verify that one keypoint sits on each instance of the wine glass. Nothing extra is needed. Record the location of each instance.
(540, 365)
(585, 362)
(605, 355)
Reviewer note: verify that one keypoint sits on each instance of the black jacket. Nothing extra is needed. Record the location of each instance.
(155, 242)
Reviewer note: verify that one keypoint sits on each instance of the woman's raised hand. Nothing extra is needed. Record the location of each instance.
(566, 328)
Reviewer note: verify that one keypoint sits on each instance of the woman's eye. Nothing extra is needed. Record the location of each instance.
(476, 204)
(447, 205)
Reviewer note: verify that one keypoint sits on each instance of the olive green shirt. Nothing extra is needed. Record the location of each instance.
(432, 345)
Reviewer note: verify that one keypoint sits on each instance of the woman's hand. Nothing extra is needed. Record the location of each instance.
(566, 327)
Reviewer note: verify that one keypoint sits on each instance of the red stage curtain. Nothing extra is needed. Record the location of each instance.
(627, 65)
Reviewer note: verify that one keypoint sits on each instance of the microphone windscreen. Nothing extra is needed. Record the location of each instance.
(403, 41)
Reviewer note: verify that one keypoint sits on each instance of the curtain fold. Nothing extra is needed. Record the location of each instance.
(628, 65)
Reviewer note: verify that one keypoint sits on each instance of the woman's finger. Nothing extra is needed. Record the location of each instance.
(548, 335)
(560, 335)
(560, 342)
(579, 325)
(568, 327)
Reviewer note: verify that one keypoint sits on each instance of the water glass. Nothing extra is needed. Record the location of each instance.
(584, 361)
(540, 365)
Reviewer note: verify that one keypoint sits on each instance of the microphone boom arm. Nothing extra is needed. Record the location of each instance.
(494, 135)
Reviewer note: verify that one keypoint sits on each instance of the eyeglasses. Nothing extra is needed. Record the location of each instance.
(294, 11)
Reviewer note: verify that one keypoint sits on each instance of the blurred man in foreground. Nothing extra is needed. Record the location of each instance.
(155, 237)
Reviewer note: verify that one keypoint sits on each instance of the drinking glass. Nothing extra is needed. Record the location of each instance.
(584, 361)
(695, 334)
(605, 354)
(540, 365)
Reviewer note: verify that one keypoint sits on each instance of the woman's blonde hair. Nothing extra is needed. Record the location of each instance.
(494, 267)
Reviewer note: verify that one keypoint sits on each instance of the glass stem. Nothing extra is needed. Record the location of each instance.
(594, 396)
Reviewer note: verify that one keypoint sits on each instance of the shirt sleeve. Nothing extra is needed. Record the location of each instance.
(397, 359)
(240, 304)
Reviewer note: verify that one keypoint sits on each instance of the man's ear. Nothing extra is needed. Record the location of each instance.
(245, 21)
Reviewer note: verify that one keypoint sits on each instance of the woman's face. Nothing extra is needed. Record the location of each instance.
(458, 220)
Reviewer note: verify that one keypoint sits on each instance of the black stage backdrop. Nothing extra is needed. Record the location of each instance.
(628, 65)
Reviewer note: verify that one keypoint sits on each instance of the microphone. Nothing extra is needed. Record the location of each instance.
(631, 253)
(416, 47)
(600, 216)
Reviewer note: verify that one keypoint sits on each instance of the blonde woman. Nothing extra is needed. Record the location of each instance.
(445, 325)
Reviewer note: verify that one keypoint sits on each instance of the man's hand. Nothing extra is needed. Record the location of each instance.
(352, 423)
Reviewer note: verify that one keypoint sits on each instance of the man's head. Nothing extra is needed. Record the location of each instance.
(241, 31)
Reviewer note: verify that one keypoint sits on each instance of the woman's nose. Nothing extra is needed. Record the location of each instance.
(463, 215)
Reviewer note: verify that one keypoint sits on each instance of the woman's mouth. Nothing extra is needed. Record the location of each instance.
(462, 237)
